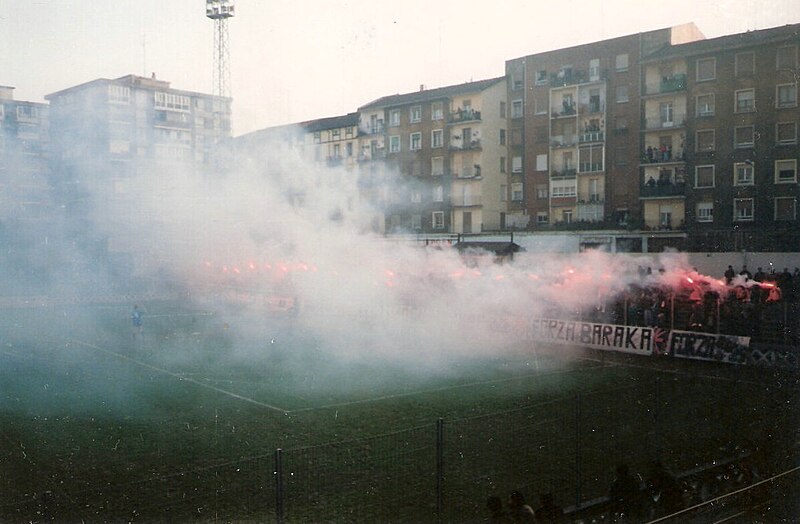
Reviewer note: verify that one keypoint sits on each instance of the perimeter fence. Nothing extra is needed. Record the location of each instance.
(444, 471)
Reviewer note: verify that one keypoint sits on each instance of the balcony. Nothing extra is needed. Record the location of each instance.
(464, 115)
(663, 188)
(472, 145)
(592, 108)
(657, 123)
(370, 156)
(571, 77)
(654, 155)
(558, 141)
(567, 110)
(466, 200)
(377, 129)
(564, 174)
(668, 84)
(469, 172)
(590, 167)
(592, 136)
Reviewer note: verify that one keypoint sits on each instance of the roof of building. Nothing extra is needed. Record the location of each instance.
(727, 42)
(333, 122)
(131, 80)
(424, 95)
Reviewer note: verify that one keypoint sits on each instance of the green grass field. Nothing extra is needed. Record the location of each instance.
(183, 424)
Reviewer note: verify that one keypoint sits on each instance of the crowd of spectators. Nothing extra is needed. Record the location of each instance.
(762, 305)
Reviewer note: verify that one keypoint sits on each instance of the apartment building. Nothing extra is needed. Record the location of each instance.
(442, 157)
(25, 191)
(108, 136)
(725, 111)
(574, 126)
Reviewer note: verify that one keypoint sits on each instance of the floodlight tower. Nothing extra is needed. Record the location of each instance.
(219, 11)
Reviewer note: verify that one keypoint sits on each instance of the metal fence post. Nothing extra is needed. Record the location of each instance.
(439, 469)
(578, 472)
(279, 513)
(656, 415)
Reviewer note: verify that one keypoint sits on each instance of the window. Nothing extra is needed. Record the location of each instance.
(437, 138)
(415, 141)
(438, 193)
(541, 77)
(743, 174)
(437, 166)
(665, 216)
(416, 222)
(437, 219)
(503, 193)
(502, 137)
(516, 191)
(415, 114)
(706, 69)
(335, 134)
(394, 117)
(705, 211)
(705, 105)
(542, 191)
(502, 164)
(541, 162)
(542, 218)
(566, 216)
(745, 64)
(743, 136)
(620, 124)
(416, 196)
(561, 190)
(437, 113)
(394, 144)
(704, 176)
(502, 109)
(590, 158)
(171, 101)
(786, 132)
(785, 171)
(786, 57)
(786, 95)
(516, 109)
(317, 137)
(785, 208)
(621, 62)
(666, 113)
(120, 94)
(705, 140)
(348, 132)
(621, 94)
(742, 209)
(745, 100)
(516, 164)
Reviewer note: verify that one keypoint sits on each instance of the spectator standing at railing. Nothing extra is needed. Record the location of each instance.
(745, 273)
(665, 494)
(729, 274)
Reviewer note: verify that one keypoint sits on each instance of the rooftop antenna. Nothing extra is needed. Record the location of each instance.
(220, 11)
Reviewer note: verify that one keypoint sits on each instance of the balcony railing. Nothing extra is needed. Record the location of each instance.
(464, 115)
(473, 171)
(565, 110)
(472, 145)
(592, 136)
(563, 140)
(653, 123)
(372, 130)
(590, 167)
(572, 77)
(368, 156)
(564, 174)
(466, 201)
(592, 108)
(655, 155)
(668, 84)
(663, 188)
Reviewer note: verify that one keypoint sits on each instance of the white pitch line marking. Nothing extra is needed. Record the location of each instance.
(180, 377)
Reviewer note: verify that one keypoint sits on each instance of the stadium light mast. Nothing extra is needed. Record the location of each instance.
(220, 11)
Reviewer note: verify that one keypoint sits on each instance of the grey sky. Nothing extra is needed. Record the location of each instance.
(293, 61)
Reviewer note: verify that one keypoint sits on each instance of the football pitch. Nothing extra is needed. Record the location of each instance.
(188, 421)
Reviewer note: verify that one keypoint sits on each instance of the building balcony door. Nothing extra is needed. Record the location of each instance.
(467, 221)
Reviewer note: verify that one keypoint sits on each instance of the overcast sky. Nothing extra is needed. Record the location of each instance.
(303, 59)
